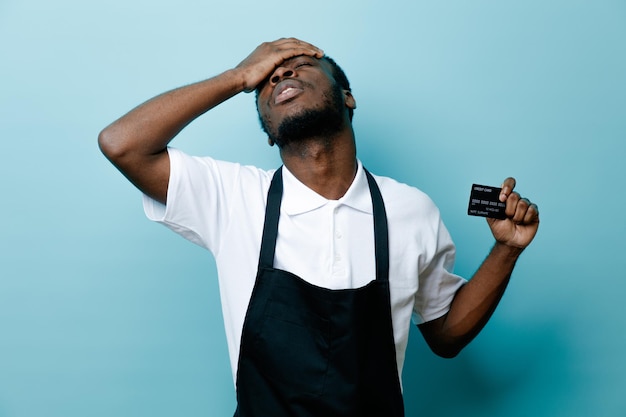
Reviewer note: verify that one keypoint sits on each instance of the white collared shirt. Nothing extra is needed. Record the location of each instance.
(329, 243)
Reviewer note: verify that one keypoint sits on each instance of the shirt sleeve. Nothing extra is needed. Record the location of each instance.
(437, 283)
(198, 198)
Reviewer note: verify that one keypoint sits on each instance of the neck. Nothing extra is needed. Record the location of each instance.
(325, 165)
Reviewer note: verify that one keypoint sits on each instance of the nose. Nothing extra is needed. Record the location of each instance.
(280, 73)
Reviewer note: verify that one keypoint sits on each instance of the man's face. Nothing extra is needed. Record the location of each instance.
(300, 100)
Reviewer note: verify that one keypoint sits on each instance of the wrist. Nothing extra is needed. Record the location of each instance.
(506, 250)
(234, 78)
(241, 77)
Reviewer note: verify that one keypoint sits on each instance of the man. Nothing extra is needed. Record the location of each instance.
(321, 265)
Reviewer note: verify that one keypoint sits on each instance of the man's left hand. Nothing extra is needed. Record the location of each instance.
(522, 218)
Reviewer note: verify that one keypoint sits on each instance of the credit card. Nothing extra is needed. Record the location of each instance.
(485, 202)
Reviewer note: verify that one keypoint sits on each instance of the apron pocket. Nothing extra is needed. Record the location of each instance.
(292, 350)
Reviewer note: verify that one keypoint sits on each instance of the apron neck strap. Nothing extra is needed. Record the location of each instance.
(272, 214)
(270, 227)
(381, 233)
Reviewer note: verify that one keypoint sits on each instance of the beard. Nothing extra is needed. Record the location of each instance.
(322, 123)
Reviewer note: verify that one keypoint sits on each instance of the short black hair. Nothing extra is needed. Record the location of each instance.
(340, 76)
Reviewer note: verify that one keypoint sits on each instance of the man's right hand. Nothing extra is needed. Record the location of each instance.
(260, 64)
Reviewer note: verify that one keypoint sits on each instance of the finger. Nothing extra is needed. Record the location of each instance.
(294, 47)
(532, 214)
(512, 200)
(269, 55)
(305, 45)
(521, 209)
(507, 187)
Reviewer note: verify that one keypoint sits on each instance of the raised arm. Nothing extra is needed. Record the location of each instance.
(474, 303)
(136, 143)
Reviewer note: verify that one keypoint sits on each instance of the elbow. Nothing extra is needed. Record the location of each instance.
(111, 145)
(447, 352)
(443, 343)
(449, 346)
(441, 340)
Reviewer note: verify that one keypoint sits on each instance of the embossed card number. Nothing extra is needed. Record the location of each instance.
(485, 202)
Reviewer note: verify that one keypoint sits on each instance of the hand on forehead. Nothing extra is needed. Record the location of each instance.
(270, 55)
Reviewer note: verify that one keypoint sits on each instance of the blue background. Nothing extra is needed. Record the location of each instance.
(104, 314)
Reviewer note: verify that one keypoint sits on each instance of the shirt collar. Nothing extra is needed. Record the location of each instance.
(298, 198)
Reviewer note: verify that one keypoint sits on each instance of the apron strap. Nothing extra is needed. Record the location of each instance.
(381, 233)
(270, 227)
(272, 214)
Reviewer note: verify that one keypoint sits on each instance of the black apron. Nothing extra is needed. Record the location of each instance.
(308, 351)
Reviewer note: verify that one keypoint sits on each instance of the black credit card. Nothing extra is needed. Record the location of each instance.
(485, 202)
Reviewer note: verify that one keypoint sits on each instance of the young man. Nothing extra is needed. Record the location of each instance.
(321, 265)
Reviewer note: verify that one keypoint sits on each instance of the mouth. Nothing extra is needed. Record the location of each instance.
(286, 90)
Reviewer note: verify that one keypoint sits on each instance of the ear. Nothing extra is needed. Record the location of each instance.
(270, 141)
(349, 98)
